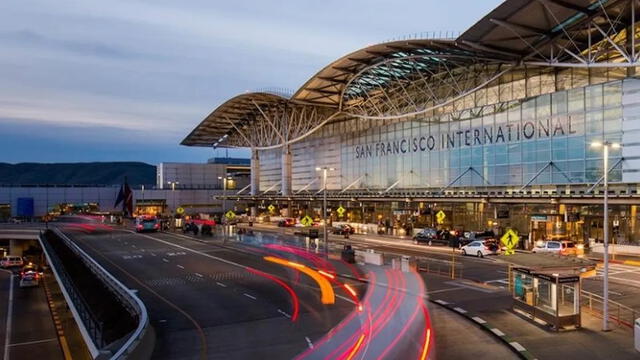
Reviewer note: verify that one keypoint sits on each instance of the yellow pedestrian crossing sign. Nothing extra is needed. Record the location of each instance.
(230, 215)
(510, 240)
(271, 208)
(180, 210)
(440, 216)
(340, 210)
(306, 221)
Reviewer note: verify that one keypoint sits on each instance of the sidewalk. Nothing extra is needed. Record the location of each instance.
(495, 307)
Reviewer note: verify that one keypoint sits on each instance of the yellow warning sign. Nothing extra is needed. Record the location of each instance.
(340, 210)
(510, 240)
(230, 215)
(271, 208)
(180, 210)
(306, 221)
(440, 216)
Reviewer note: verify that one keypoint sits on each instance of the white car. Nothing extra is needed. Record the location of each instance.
(556, 247)
(480, 248)
(11, 261)
(29, 276)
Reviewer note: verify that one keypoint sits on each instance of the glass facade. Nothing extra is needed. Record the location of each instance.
(545, 138)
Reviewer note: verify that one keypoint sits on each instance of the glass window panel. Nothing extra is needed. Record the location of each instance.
(576, 100)
(593, 97)
(559, 104)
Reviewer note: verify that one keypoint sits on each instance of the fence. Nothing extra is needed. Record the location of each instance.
(618, 313)
(446, 268)
(100, 339)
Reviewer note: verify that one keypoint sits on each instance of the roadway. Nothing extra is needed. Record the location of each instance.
(27, 330)
(204, 302)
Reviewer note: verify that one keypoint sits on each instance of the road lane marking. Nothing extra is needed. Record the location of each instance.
(7, 333)
(517, 346)
(479, 320)
(250, 296)
(33, 342)
(442, 302)
(133, 246)
(180, 266)
(285, 314)
(443, 290)
(215, 257)
(309, 342)
(165, 260)
(497, 332)
(221, 284)
(198, 275)
(460, 310)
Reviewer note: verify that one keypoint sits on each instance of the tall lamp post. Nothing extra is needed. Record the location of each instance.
(605, 307)
(325, 233)
(224, 190)
(173, 192)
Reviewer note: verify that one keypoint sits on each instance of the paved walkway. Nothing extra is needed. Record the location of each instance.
(495, 305)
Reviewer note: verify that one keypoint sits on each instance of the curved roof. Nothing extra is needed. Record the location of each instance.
(229, 117)
(536, 33)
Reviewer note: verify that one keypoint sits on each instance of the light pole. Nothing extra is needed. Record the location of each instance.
(224, 190)
(325, 233)
(173, 192)
(605, 307)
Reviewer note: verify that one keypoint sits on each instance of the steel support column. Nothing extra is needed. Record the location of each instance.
(286, 170)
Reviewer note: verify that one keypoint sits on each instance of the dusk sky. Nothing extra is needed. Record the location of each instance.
(127, 80)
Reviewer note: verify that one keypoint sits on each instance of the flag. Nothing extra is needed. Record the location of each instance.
(125, 196)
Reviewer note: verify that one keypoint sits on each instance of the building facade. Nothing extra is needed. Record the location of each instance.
(494, 127)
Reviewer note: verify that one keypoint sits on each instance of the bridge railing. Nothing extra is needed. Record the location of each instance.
(138, 343)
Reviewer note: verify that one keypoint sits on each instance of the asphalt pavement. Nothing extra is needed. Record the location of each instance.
(28, 332)
(204, 302)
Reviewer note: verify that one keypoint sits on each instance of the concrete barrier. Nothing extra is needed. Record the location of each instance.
(369, 257)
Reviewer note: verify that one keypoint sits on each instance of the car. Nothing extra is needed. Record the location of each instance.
(431, 236)
(556, 247)
(344, 229)
(147, 223)
(480, 248)
(11, 261)
(29, 276)
(348, 254)
(288, 222)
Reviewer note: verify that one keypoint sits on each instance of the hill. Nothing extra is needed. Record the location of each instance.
(94, 173)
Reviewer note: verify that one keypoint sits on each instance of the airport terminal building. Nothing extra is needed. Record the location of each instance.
(494, 127)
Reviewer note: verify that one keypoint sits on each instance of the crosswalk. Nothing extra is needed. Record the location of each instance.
(616, 269)
(501, 283)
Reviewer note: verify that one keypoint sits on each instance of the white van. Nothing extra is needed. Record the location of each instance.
(11, 261)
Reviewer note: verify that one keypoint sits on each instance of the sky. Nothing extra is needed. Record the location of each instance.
(127, 80)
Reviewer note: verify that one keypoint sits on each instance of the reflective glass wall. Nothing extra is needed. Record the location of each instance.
(545, 138)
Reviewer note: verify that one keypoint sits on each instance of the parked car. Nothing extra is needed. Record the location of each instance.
(147, 223)
(430, 236)
(469, 236)
(11, 261)
(556, 247)
(29, 276)
(343, 229)
(288, 222)
(481, 248)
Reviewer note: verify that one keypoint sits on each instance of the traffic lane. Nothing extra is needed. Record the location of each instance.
(33, 333)
(476, 269)
(177, 336)
(457, 338)
(199, 295)
(5, 281)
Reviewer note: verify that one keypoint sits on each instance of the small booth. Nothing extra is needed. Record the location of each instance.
(550, 297)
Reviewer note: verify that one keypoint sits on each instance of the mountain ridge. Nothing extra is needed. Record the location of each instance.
(83, 173)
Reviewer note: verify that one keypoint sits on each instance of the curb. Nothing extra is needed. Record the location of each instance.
(516, 347)
(620, 262)
(57, 323)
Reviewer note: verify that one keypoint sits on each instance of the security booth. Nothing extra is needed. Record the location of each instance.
(553, 298)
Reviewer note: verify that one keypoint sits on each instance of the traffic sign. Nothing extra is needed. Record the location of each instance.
(230, 215)
(340, 210)
(510, 240)
(271, 208)
(180, 210)
(440, 216)
(306, 221)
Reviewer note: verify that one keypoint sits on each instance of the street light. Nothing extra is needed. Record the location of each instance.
(224, 190)
(324, 207)
(605, 147)
(173, 191)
